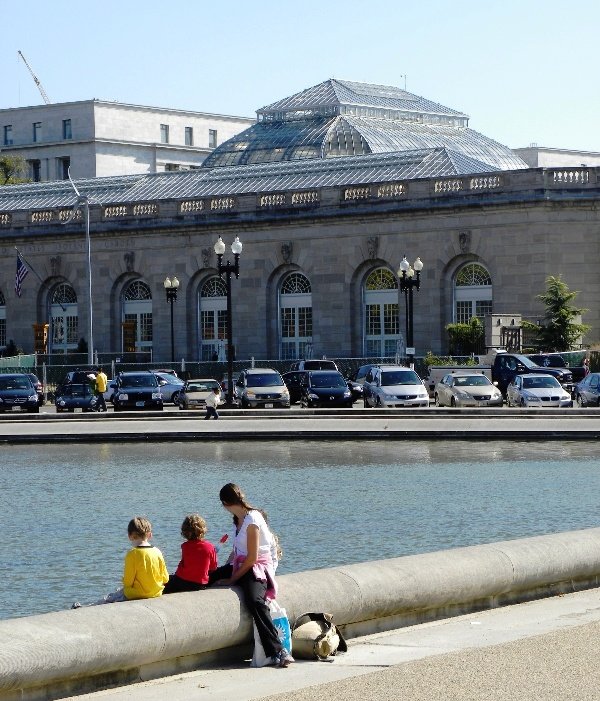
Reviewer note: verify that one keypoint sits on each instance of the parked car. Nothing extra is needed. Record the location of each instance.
(587, 392)
(76, 397)
(18, 394)
(111, 387)
(533, 390)
(355, 388)
(195, 392)
(225, 381)
(77, 376)
(556, 360)
(393, 386)
(293, 381)
(137, 390)
(467, 390)
(322, 364)
(38, 386)
(170, 386)
(261, 387)
(325, 388)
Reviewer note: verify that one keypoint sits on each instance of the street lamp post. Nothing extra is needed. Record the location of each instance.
(228, 269)
(171, 286)
(410, 278)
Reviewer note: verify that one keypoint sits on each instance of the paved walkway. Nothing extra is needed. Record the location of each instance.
(397, 424)
(544, 650)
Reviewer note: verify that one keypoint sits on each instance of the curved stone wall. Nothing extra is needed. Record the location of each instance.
(57, 654)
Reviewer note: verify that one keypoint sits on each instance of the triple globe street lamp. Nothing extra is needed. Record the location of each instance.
(228, 270)
(171, 285)
(410, 278)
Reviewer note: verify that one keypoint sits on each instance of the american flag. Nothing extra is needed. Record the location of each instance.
(22, 271)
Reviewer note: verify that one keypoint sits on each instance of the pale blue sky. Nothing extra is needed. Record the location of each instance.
(525, 71)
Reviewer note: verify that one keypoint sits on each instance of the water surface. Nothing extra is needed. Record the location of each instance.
(64, 508)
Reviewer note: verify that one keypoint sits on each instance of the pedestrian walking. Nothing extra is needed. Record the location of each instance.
(212, 402)
(101, 385)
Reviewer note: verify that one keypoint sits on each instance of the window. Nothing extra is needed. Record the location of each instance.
(295, 317)
(37, 132)
(213, 319)
(64, 319)
(164, 133)
(62, 168)
(8, 135)
(189, 136)
(2, 320)
(382, 324)
(472, 293)
(137, 310)
(67, 134)
(212, 138)
(35, 170)
(172, 166)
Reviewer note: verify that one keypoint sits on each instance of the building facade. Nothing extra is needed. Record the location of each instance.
(97, 138)
(322, 236)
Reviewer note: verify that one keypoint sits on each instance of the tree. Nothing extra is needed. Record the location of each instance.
(466, 338)
(560, 330)
(12, 170)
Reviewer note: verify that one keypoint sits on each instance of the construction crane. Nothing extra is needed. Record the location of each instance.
(36, 80)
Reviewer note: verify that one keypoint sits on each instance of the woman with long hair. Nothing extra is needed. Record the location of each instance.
(254, 570)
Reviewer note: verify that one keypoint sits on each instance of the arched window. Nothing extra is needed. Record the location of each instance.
(2, 320)
(64, 319)
(295, 317)
(382, 326)
(136, 303)
(472, 293)
(212, 313)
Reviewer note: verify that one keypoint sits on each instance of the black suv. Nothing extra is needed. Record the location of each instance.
(555, 360)
(137, 390)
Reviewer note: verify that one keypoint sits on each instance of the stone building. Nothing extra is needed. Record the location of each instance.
(324, 220)
(98, 138)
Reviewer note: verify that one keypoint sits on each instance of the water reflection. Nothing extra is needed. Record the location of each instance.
(64, 509)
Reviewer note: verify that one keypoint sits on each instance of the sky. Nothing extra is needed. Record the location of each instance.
(526, 71)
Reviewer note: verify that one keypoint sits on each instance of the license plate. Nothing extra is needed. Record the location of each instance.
(140, 403)
(269, 406)
(78, 408)
(16, 407)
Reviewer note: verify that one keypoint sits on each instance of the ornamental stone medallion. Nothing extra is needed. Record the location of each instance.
(287, 248)
(373, 247)
(464, 241)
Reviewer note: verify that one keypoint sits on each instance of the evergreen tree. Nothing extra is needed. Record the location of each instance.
(12, 170)
(559, 330)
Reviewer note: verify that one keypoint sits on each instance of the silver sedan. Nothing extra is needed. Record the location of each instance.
(467, 390)
(533, 390)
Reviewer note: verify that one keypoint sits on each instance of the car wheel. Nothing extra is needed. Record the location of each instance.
(245, 404)
(175, 397)
(453, 402)
(437, 399)
(366, 403)
(522, 403)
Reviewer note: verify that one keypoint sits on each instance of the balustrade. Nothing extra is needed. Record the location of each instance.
(115, 211)
(5, 219)
(275, 200)
(308, 197)
(391, 190)
(357, 193)
(145, 209)
(485, 182)
(42, 217)
(446, 186)
(222, 203)
(571, 177)
(190, 206)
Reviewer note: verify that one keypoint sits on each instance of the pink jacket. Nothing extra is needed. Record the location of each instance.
(263, 570)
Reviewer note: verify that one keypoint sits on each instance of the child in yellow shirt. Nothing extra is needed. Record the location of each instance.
(145, 573)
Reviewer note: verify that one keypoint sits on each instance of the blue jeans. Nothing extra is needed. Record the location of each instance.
(211, 412)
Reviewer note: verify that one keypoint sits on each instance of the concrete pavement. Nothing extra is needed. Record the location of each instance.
(546, 649)
(309, 424)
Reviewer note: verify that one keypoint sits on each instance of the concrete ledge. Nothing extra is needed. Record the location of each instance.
(68, 652)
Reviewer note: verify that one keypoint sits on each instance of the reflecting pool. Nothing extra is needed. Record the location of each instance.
(65, 508)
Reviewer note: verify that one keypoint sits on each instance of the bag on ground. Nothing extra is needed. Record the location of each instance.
(316, 637)
(282, 624)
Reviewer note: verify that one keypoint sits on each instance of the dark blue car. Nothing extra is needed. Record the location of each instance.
(18, 394)
(76, 397)
(325, 388)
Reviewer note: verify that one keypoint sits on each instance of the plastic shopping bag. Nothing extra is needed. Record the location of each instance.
(282, 624)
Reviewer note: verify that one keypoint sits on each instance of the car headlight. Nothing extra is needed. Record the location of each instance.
(285, 392)
(123, 397)
(250, 393)
(313, 396)
(62, 402)
(156, 395)
(462, 394)
(347, 393)
(531, 397)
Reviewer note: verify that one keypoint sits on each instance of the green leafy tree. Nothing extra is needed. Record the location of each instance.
(560, 330)
(465, 339)
(12, 170)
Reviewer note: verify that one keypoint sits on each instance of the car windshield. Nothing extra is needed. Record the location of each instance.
(526, 361)
(138, 381)
(201, 386)
(14, 383)
(549, 361)
(271, 379)
(399, 377)
(332, 380)
(533, 382)
(77, 390)
(471, 381)
(169, 379)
